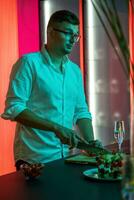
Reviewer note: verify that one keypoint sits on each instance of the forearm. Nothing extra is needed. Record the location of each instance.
(86, 129)
(67, 136)
(28, 118)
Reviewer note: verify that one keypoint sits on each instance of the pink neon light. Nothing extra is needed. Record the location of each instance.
(28, 26)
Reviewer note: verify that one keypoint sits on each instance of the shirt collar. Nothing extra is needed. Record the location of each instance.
(48, 58)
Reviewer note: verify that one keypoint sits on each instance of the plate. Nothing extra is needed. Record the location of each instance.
(92, 174)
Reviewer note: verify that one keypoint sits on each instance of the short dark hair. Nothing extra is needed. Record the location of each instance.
(63, 16)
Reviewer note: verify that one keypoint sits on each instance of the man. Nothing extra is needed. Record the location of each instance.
(46, 98)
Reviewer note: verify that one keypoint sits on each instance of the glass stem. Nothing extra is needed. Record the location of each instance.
(119, 147)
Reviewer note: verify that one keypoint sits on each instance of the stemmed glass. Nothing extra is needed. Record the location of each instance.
(119, 132)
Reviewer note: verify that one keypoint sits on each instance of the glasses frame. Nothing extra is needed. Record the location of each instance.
(76, 37)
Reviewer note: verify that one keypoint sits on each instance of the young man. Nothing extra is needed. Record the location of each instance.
(46, 97)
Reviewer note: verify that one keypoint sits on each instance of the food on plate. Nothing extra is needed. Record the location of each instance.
(110, 166)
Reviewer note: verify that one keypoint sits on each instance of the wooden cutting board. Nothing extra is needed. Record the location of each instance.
(81, 159)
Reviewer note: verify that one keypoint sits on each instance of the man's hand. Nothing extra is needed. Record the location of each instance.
(68, 136)
(31, 170)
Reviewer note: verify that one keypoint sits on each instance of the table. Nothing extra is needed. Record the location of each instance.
(59, 181)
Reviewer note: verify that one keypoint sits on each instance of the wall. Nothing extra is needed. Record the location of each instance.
(18, 35)
(107, 86)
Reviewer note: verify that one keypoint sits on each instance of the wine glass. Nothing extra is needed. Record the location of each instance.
(119, 132)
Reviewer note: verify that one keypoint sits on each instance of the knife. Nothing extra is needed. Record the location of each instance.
(92, 148)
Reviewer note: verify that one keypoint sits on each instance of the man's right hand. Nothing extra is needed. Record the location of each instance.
(68, 136)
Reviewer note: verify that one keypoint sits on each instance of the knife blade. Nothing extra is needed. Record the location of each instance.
(92, 149)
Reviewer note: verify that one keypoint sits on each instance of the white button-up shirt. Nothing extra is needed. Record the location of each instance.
(35, 84)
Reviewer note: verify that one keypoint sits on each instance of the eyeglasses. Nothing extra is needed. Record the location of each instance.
(68, 34)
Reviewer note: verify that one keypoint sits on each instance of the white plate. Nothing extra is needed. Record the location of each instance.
(93, 174)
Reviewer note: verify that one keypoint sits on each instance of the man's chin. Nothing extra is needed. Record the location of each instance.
(67, 51)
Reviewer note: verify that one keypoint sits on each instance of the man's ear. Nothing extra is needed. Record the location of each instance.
(50, 32)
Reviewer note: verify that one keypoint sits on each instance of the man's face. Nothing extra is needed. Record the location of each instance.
(64, 36)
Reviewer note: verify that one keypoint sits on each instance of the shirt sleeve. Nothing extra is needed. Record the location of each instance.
(19, 90)
(81, 109)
